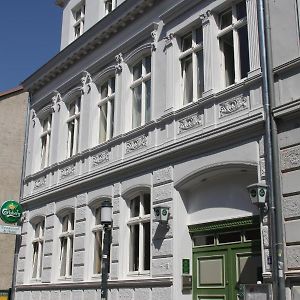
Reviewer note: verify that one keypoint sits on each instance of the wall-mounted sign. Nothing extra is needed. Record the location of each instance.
(11, 211)
(185, 266)
(9, 229)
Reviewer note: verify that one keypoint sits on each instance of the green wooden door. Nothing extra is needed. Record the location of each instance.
(219, 270)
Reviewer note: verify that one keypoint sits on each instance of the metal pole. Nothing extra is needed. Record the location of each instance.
(271, 151)
(105, 260)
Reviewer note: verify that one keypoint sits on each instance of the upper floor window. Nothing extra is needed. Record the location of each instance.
(37, 245)
(139, 227)
(98, 241)
(106, 108)
(45, 140)
(109, 6)
(191, 59)
(66, 245)
(141, 92)
(78, 13)
(73, 123)
(233, 40)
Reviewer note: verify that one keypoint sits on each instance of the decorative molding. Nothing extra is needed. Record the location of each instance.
(100, 158)
(56, 99)
(205, 17)
(290, 158)
(168, 40)
(136, 144)
(119, 60)
(86, 80)
(33, 116)
(154, 38)
(190, 122)
(39, 183)
(233, 105)
(67, 172)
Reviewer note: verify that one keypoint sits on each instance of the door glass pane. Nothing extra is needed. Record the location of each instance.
(204, 240)
(249, 268)
(211, 271)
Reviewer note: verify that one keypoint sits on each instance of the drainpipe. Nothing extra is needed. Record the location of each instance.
(271, 151)
(19, 237)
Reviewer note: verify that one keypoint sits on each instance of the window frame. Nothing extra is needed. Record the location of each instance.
(108, 100)
(191, 54)
(73, 134)
(141, 81)
(66, 237)
(78, 23)
(235, 25)
(45, 135)
(37, 256)
(139, 221)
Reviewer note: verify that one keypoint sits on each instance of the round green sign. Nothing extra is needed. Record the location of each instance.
(11, 211)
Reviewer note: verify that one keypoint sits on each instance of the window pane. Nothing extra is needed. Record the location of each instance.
(137, 71)
(226, 19)
(137, 106)
(241, 10)
(65, 223)
(103, 123)
(148, 101)
(134, 251)
(113, 84)
(78, 104)
(148, 64)
(77, 136)
(227, 47)
(244, 51)
(187, 75)
(112, 119)
(135, 207)
(78, 14)
(63, 256)
(199, 35)
(71, 256)
(147, 204)
(229, 237)
(253, 234)
(72, 221)
(40, 259)
(104, 90)
(72, 109)
(34, 260)
(146, 228)
(186, 42)
(204, 240)
(200, 67)
(98, 216)
(98, 252)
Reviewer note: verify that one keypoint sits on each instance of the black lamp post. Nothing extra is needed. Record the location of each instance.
(106, 221)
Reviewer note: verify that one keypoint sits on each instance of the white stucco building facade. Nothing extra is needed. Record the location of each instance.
(157, 103)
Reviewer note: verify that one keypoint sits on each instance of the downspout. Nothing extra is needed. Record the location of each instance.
(271, 151)
(19, 237)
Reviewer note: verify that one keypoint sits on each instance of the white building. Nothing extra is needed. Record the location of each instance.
(158, 103)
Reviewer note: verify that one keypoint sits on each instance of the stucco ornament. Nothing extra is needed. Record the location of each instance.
(67, 171)
(233, 105)
(39, 183)
(190, 122)
(154, 38)
(86, 81)
(290, 158)
(136, 144)
(119, 60)
(168, 40)
(56, 99)
(100, 158)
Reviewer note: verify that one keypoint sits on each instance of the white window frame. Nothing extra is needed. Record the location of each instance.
(139, 220)
(37, 254)
(45, 140)
(109, 101)
(192, 53)
(109, 6)
(79, 23)
(66, 239)
(142, 81)
(73, 131)
(97, 229)
(234, 27)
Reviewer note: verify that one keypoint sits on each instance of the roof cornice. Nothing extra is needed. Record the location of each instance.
(123, 15)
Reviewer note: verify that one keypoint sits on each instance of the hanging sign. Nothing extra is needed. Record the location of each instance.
(11, 212)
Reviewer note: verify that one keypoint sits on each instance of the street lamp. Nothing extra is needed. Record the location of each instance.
(106, 221)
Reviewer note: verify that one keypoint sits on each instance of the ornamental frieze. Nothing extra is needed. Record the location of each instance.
(67, 172)
(136, 144)
(39, 183)
(190, 122)
(100, 158)
(290, 158)
(233, 106)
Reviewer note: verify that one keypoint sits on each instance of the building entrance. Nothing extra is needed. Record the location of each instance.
(223, 260)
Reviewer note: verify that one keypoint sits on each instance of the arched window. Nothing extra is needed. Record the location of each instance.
(139, 227)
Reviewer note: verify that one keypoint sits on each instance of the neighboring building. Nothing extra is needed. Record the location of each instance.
(158, 103)
(13, 106)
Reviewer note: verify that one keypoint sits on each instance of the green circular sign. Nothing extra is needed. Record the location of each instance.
(253, 193)
(11, 211)
(262, 192)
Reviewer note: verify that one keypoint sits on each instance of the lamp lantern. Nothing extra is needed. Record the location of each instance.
(258, 193)
(106, 212)
(161, 213)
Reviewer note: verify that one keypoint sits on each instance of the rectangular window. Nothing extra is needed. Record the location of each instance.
(45, 141)
(233, 40)
(73, 123)
(79, 14)
(140, 234)
(106, 109)
(141, 92)
(109, 6)
(37, 245)
(192, 67)
(98, 241)
(66, 245)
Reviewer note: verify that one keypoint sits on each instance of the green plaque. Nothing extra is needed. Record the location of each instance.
(11, 211)
(185, 266)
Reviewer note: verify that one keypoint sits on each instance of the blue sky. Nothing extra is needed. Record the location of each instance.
(30, 36)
